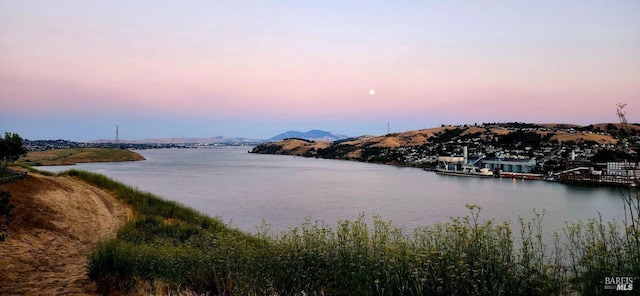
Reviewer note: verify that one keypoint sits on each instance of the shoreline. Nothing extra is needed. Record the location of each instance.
(171, 224)
(515, 176)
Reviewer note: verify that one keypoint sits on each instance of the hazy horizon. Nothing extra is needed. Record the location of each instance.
(132, 140)
(75, 69)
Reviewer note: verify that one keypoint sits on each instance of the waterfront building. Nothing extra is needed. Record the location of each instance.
(602, 173)
(511, 165)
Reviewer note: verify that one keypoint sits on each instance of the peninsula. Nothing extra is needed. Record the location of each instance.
(73, 156)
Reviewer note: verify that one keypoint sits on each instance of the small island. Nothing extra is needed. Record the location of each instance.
(72, 156)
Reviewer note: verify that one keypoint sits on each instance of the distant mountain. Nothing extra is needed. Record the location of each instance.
(312, 135)
(187, 140)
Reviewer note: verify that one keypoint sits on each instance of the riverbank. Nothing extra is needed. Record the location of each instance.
(72, 156)
(165, 246)
(173, 246)
(55, 224)
(420, 154)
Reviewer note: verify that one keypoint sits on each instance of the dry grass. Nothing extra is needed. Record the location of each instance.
(299, 147)
(55, 224)
(603, 126)
(557, 125)
(600, 139)
(387, 142)
(79, 155)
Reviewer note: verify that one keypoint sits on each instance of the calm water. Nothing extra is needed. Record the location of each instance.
(246, 189)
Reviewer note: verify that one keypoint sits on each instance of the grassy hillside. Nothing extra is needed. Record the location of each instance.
(79, 155)
(511, 140)
(54, 225)
(561, 133)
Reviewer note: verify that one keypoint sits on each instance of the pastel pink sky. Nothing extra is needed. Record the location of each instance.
(74, 69)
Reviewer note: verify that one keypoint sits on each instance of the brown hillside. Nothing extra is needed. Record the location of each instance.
(55, 224)
(558, 125)
(409, 138)
(600, 139)
(603, 126)
(299, 147)
(421, 137)
(79, 155)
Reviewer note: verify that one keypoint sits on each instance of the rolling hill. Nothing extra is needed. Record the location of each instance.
(411, 147)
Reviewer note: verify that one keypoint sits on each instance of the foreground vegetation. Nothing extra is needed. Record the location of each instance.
(168, 245)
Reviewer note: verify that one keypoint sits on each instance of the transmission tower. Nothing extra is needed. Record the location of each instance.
(116, 142)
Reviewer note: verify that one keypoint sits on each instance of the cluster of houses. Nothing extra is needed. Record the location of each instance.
(548, 161)
(43, 145)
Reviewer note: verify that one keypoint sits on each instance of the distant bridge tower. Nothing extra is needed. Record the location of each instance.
(388, 128)
(116, 142)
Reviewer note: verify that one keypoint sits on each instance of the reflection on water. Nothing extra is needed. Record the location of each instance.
(248, 189)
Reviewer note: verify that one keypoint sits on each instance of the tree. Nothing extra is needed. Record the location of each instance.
(623, 134)
(11, 148)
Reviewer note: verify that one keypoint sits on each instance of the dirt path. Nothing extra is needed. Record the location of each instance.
(56, 222)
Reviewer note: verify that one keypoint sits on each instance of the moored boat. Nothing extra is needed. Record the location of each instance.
(461, 166)
(466, 171)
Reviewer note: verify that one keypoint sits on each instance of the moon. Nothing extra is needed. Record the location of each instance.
(371, 92)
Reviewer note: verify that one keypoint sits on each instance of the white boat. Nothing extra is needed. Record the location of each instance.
(466, 171)
(460, 166)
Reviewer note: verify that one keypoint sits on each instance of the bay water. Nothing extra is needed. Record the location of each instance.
(247, 190)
